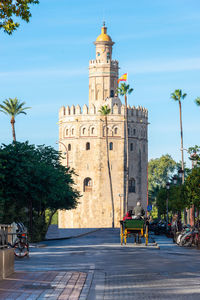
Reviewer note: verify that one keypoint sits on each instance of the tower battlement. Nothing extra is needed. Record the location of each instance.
(133, 111)
(108, 61)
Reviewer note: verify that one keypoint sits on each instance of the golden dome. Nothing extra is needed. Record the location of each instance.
(104, 37)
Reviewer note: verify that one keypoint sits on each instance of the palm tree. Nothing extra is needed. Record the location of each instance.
(197, 101)
(178, 96)
(105, 111)
(123, 90)
(13, 107)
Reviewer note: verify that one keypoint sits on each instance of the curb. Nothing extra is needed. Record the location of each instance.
(37, 246)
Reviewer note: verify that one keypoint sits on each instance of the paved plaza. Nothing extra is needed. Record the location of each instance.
(96, 266)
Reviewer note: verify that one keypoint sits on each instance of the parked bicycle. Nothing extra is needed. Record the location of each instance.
(188, 237)
(21, 244)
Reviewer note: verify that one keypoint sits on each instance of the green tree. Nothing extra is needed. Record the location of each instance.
(192, 188)
(105, 111)
(160, 171)
(13, 107)
(11, 10)
(197, 101)
(177, 95)
(194, 155)
(33, 182)
(176, 199)
(125, 90)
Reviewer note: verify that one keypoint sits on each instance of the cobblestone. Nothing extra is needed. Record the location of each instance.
(49, 285)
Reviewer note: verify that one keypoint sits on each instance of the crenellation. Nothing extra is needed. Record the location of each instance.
(72, 110)
(67, 110)
(62, 112)
(92, 109)
(78, 110)
(123, 109)
(115, 109)
(85, 109)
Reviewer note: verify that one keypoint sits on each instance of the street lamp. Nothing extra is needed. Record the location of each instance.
(120, 197)
(180, 174)
(167, 202)
(66, 153)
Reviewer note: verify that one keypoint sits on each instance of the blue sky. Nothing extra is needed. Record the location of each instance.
(45, 64)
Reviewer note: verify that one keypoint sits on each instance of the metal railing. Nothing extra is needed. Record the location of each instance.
(4, 235)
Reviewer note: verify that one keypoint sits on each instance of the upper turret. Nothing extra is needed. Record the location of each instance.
(104, 45)
(103, 71)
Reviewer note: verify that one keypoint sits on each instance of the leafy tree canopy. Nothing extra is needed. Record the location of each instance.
(159, 171)
(192, 187)
(11, 10)
(194, 154)
(33, 180)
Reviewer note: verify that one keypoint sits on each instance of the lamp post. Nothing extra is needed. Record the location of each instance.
(167, 204)
(66, 153)
(120, 197)
(181, 180)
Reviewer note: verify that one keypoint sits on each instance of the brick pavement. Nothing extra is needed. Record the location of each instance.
(49, 285)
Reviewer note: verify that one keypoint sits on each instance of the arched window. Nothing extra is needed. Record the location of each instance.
(87, 146)
(92, 130)
(115, 130)
(72, 131)
(111, 146)
(69, 147)
(134, 131)
(131, 146)
(84, 130)
(87, 184)
(131, 185)
(66, 132)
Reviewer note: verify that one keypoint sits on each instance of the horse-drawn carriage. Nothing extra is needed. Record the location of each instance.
(137, 228)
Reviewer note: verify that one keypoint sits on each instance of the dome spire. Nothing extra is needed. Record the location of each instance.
(104, 37)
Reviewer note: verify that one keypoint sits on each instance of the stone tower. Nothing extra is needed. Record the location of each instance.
(82, 140)
(103, 71)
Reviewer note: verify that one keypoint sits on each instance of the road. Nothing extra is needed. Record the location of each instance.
(121, 272)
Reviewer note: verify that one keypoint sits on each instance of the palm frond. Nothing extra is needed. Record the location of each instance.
(105, 110)
(178, 95)
(197, 101)
(13, 107)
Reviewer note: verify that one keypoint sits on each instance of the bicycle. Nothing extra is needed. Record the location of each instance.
(21, 244)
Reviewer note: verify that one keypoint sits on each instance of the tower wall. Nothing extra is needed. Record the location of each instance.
(82, 139)
(81, 126)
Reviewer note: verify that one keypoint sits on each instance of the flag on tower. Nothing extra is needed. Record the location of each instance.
(122, 78)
